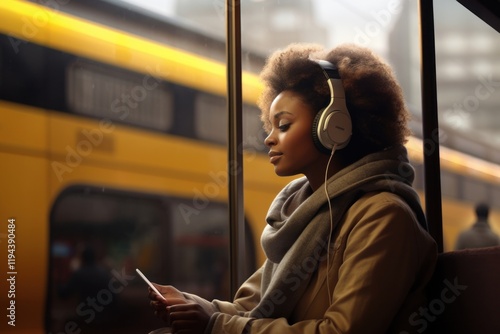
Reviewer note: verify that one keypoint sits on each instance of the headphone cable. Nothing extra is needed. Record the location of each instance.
(331, 225)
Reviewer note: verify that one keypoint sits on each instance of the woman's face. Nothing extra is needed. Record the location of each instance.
(292, 149)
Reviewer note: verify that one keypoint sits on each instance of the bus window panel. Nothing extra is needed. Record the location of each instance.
(98, 237)
(210, 118)
(131, 98)
(179, 241)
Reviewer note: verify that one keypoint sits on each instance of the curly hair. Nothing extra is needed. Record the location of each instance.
(374, 98)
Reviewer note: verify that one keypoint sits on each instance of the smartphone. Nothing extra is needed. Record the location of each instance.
(149, 283)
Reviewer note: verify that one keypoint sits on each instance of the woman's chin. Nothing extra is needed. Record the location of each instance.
(283, 173)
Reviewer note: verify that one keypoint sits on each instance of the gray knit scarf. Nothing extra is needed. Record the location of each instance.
(299, 223)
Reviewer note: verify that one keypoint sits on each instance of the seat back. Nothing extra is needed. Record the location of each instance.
(465, 293)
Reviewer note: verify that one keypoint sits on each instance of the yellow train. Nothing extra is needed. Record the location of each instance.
(112, 158)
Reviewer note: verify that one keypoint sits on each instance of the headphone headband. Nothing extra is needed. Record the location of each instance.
(328, 68)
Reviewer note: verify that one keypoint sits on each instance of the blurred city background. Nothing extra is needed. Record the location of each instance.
(467, 49)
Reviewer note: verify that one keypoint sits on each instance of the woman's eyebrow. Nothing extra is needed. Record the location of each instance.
(281, 113)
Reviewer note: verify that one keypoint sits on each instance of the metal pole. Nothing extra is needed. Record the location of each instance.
(432, 170)
(235, 154)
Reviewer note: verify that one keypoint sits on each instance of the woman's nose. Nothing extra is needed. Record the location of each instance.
(270, 140)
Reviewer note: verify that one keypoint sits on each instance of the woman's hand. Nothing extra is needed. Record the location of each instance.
(172, 297)
(182, 315)
(188, 318)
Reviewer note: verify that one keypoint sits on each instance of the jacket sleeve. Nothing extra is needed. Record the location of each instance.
(379, 267)
(246, 298)
(234, 315)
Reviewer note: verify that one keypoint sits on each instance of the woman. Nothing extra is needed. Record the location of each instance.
(356, 263)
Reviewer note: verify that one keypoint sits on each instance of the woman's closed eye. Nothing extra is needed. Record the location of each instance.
(284, 127)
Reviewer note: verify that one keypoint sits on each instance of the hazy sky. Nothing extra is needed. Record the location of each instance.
(361, 21)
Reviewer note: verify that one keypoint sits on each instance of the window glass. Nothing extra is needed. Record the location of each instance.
(468, 72)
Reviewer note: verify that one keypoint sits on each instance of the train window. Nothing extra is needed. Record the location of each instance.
(99, 236)
(136, 99)
(211, 120)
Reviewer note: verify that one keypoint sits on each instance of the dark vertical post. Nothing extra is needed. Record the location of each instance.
(432, 170)
(235, 153)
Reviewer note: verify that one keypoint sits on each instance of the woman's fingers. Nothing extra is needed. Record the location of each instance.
(187, 318)
(183, 313)
(162, 307)
(171, 295)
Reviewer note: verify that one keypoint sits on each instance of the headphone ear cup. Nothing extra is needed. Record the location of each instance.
(331, 128)
(316, 133)
(338, 128)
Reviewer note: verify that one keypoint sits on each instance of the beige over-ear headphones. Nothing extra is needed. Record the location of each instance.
(332, 127)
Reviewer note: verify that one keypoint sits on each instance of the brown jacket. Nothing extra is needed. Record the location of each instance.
(380, 263)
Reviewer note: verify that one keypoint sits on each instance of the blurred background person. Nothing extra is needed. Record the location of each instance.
(480, 234)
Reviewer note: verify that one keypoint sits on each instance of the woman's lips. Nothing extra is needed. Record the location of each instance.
(274, 157)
